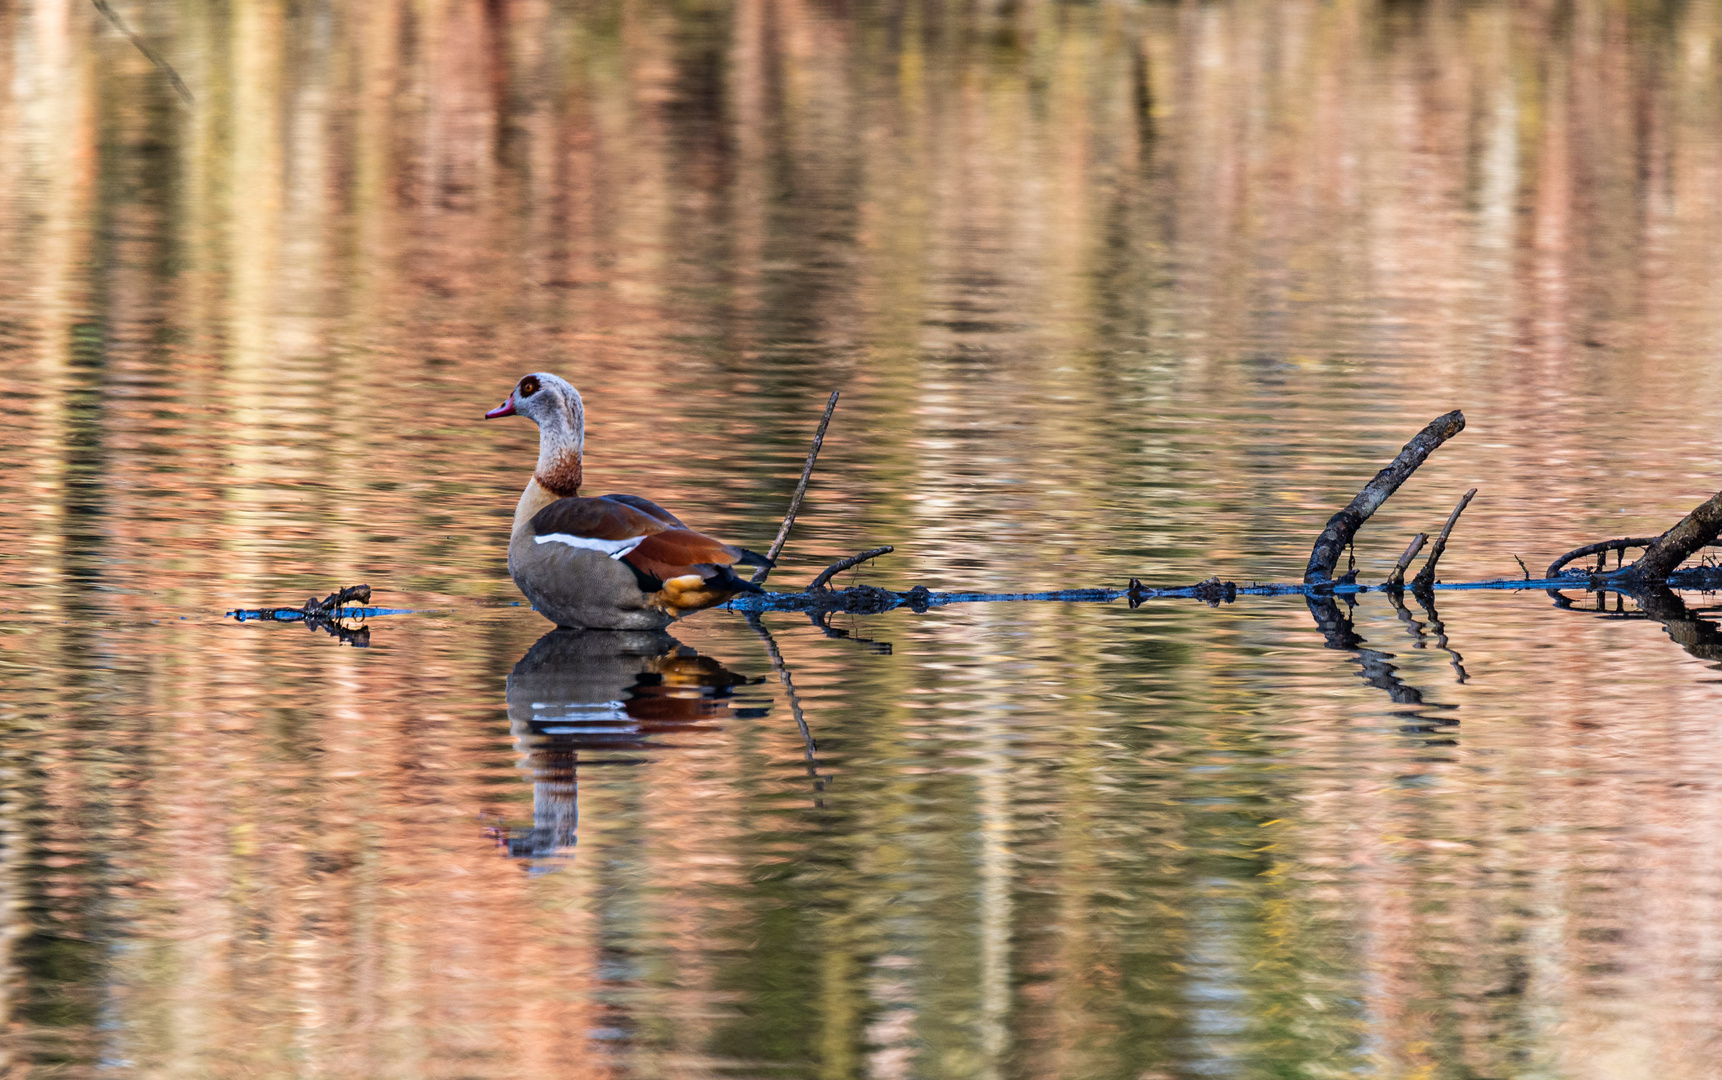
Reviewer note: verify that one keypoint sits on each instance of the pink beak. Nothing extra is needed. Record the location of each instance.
(505, 409)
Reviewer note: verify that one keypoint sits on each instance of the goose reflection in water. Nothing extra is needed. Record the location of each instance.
(600, 692)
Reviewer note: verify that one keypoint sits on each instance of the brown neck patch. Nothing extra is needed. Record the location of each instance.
(562, 478)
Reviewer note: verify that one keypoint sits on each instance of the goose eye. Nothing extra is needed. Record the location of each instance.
(528, 387)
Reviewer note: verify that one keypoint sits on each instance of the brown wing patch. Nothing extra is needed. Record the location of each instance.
(598, 519)
(669, 553)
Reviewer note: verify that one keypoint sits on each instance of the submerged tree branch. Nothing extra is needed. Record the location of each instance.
(1699, 528)
(1343, 526)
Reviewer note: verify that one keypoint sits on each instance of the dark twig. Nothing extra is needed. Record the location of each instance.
(1396, 579)
(1523, 567)
(161, 65)
(335, 600)
(1426, 576)
(1343, 526)
(844, 564)
(800, 490)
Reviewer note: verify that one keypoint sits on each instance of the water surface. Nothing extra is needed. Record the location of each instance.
(1110, 290)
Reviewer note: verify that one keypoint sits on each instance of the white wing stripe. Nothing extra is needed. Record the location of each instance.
(613, 548)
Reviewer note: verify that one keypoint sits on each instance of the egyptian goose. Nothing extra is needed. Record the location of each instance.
(616, 562)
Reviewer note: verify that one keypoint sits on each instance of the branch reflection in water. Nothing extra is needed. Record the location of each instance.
(1378, 669)
(1687, 626)
(1426, 601)
(1695, 630)
(809, 748)
(608, 694)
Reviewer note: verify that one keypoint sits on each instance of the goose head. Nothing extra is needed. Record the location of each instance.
(552, 403)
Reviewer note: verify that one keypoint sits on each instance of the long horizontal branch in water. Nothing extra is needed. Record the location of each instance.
(1654, 571)
(867, 599)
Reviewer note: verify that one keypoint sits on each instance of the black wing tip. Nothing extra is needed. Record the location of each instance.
(754, 558)
(727, 578)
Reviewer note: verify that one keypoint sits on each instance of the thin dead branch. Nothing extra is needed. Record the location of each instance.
(800, 490)
(1343, 526)
(844, 564)
(1426, 576)
(1396, 580)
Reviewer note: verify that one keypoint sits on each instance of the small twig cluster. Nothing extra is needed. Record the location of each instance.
(330, 615)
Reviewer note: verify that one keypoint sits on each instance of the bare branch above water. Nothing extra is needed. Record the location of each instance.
(1342, 527)
(800, 490)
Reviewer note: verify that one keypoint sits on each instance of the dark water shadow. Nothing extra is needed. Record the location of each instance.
(591, 698)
